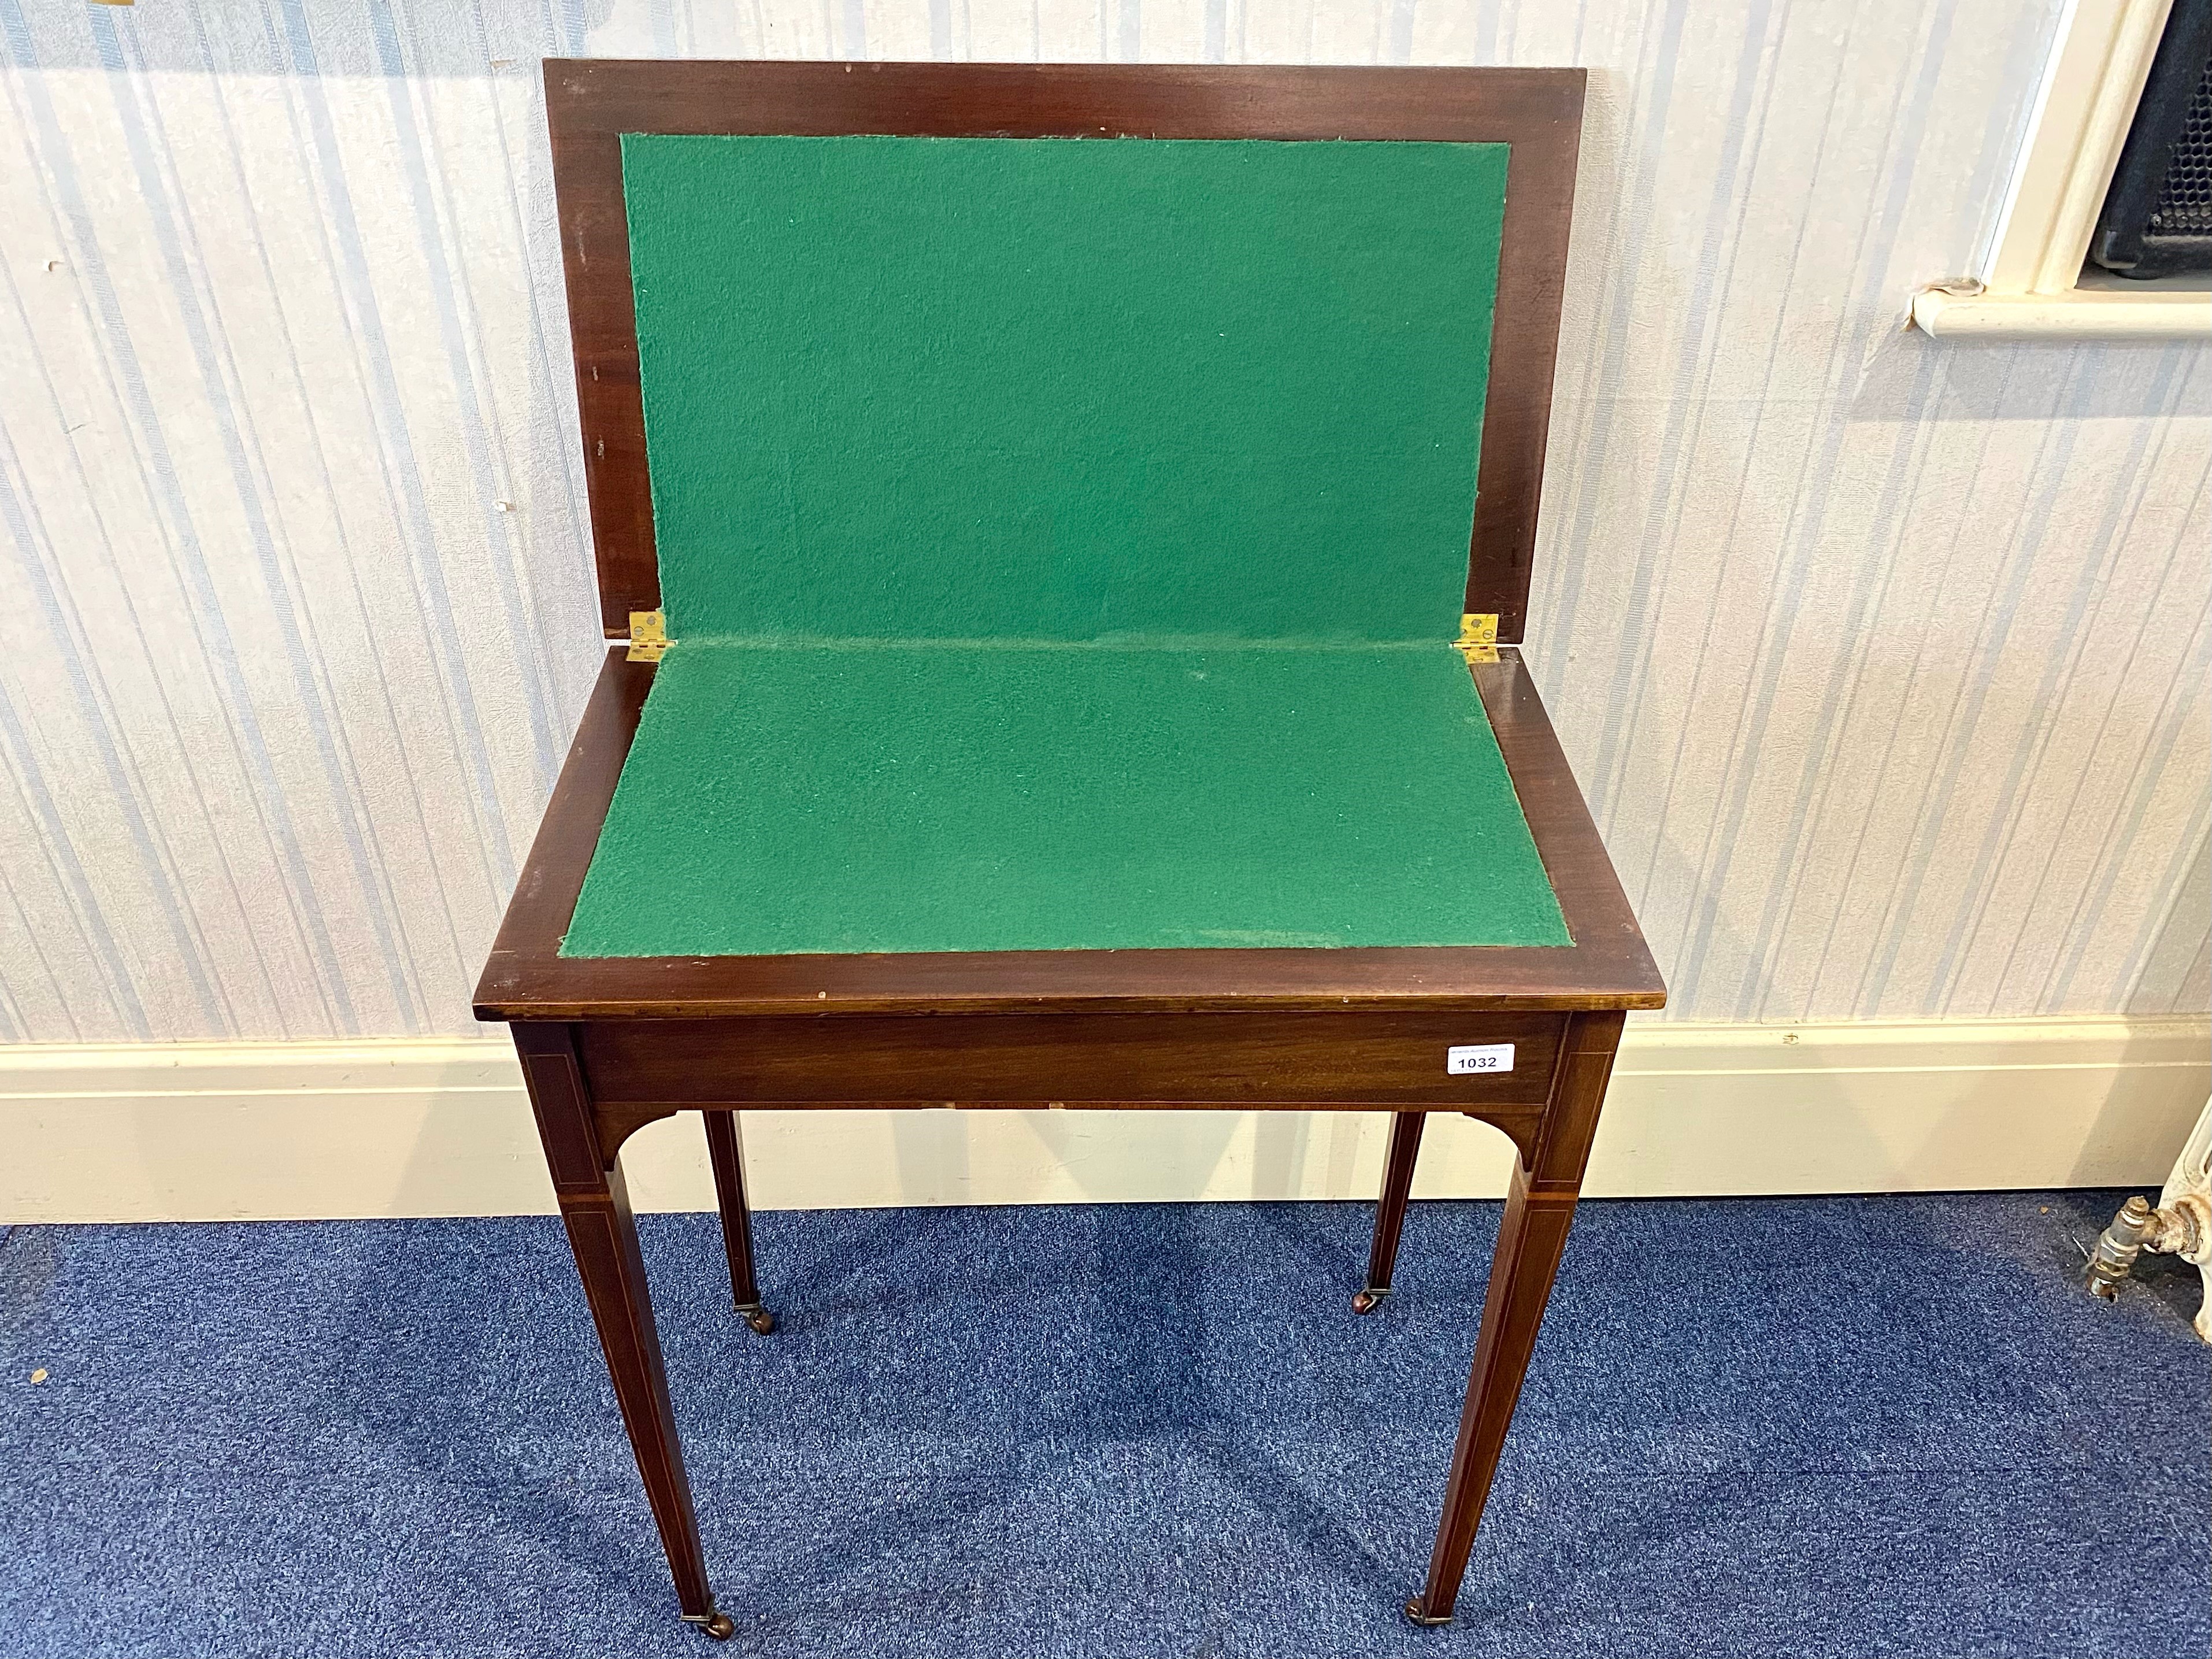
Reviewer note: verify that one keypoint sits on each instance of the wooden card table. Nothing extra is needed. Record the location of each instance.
(1067, 595)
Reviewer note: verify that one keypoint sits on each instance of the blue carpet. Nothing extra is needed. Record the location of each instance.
(1850, 1427)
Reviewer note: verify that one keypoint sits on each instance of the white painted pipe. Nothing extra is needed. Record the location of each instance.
(2082, 314)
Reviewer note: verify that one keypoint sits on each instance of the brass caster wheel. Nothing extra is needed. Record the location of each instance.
(759, 1318)
(717, 1625)
(1418, 1613)
(1368, 1300)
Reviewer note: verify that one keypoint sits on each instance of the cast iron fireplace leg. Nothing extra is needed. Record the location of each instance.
(1390, 1210)
(725, 1149)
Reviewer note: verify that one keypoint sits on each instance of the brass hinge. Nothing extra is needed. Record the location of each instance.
(1477, 636)
(649, 635)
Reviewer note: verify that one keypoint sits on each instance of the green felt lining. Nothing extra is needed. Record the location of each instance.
(1061, 540)
(1064, 390)
(941, 798)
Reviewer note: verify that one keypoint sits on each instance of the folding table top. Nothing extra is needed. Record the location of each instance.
(1063, 540)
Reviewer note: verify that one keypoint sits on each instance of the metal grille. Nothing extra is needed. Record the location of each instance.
(2184, 199)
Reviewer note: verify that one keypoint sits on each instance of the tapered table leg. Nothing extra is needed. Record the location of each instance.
(1390, 1210)
(595, 1209)
(1529, 1243)
(1539, 1207)
(725, 1150)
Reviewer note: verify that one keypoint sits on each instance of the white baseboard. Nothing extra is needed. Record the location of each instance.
(299, 1130)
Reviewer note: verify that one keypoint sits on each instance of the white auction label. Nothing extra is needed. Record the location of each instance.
(1479, 1057)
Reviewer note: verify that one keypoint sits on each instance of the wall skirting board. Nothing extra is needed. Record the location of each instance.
(299, 1130)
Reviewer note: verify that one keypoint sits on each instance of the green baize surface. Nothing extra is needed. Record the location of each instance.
(1061, 539)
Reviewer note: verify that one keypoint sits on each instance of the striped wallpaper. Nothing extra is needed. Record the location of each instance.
(1883, 663)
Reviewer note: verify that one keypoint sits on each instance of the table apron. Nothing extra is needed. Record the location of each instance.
(1359, 1058)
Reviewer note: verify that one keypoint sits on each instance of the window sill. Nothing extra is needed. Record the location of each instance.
(2081, 314)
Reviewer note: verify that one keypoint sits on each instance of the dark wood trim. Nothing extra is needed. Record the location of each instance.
(1252, 1057)
(591, 102)
(619, 1120)
(1609, 965)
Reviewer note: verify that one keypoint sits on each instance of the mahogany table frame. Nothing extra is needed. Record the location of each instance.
(609, 1044)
